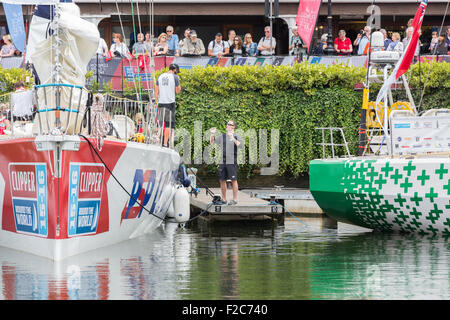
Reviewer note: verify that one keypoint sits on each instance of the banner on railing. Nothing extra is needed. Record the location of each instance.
(421, 134)
(119, 71)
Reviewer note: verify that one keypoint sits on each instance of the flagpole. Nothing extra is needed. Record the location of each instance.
(329, 49)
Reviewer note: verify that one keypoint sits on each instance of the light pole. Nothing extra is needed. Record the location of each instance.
(329, 50)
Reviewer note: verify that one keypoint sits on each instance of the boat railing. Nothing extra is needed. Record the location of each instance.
(62, 109)
(138, 121)
(332, 144)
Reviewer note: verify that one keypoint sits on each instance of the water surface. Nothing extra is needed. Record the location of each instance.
(300, 260)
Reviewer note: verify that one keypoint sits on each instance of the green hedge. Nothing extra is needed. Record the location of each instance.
(8, 77)
(295, 100)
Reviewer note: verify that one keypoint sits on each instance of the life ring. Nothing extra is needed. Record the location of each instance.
(401, 105)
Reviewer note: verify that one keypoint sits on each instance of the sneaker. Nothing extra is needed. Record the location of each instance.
(232, 202)
(221, 202)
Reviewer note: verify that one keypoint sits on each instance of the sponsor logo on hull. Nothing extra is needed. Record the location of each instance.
(144, 192)
(28, 182)
(85, 192)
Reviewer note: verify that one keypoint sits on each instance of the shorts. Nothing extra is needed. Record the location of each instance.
(166, 115)
(228, 171)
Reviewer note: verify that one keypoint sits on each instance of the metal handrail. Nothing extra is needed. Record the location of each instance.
(331, 143)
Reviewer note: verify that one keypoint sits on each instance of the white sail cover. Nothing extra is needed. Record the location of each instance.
(79, 42)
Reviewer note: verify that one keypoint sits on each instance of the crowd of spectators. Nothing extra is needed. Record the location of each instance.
(191, 44)
(437, 45)
(168, 43)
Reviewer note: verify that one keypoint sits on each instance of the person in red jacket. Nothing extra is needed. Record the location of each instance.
(342, 44)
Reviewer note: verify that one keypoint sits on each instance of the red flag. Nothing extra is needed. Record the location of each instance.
(408, 55)
(405, 60)
(306, 19)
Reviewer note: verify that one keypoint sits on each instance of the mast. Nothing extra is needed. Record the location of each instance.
(57, 63)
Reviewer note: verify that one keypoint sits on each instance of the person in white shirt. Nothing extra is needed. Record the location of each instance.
(408, 37)
(362, 40)
(218, 47)
(118, 48)
(102, 47)
(23, 102)
(264, 45)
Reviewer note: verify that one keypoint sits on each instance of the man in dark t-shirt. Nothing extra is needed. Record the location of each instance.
(228, 168)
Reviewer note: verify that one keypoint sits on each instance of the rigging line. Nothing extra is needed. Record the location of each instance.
(125, 41)
(434, 53)
(112, 175)
(138, 89)
(145, 65)
(139, 16)
(131, 196)
(152, 61)
(370, 50)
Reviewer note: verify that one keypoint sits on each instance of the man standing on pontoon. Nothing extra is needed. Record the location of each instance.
(229, 142)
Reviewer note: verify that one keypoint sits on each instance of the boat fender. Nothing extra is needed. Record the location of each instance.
(184, 179)
(181, 205)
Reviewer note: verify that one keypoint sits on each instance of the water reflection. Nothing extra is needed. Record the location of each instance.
(240, 261)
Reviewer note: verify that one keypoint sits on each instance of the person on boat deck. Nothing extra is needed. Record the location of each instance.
(138, 118)
(4, 122)
(161, 48)
(342, 44)
(23, 103)
(166, 87)
(229, 142)
(112, 130)
(119, 48)
(172, 42)
(8, 49)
